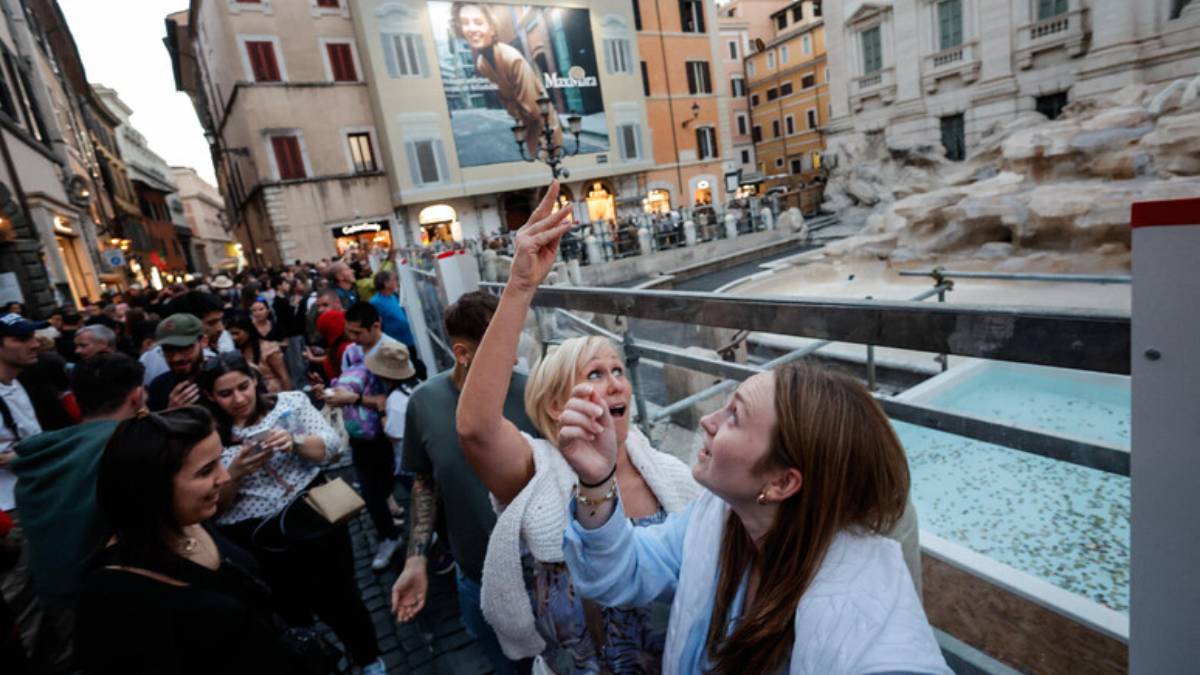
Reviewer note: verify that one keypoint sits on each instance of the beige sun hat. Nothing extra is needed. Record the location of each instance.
(221, 282)
(390, 360)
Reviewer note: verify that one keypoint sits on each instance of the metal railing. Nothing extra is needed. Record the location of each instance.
(938, 274)
(1080, 339)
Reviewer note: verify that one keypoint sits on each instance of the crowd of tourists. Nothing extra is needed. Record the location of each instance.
(172, 498)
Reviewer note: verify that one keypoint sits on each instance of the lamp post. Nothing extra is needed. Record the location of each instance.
(548, 151)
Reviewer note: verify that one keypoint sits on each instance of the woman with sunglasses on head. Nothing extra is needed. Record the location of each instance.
(169, 594)
(274, 448)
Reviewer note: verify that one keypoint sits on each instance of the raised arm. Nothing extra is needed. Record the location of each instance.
(491, 443)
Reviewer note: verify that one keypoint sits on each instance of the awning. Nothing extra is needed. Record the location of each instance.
(752, 178)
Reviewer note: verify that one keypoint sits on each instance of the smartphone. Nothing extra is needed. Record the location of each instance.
(317, 351)
(256, 441)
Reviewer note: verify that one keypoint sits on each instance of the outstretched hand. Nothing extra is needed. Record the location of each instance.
(586, 437)
(536, 243)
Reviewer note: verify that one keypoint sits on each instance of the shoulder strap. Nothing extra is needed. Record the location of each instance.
(9, 422)
(161, 578)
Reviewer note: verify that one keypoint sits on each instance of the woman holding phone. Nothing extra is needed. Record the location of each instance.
(274, 447)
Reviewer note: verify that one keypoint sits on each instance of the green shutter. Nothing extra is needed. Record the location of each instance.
(1051, 8)
(950, 25)
(872, 53)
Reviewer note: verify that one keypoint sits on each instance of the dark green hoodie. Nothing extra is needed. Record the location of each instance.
(56, 504)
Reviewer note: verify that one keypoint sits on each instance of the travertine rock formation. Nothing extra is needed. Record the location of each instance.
(1032, 185)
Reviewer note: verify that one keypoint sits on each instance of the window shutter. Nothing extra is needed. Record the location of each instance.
(950, 23)
(645, 79)
(872, 56)
(414, 168)
(288, 157)
(707, 88)
(391, 44)
(699, 9)
(341, 63)
(691, 76)
(262, 61)
(418, 47)
(410, 61)
(443, 168)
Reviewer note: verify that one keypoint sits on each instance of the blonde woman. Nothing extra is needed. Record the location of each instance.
(528, 596)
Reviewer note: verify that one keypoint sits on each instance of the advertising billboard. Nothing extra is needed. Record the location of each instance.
(497, 60)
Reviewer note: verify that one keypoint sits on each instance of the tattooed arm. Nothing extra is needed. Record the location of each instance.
(408, 593)
(423, 510)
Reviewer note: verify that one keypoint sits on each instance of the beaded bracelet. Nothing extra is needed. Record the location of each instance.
(593, 503)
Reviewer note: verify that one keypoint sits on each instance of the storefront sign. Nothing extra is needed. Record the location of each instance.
(360, 228)
(114, 257)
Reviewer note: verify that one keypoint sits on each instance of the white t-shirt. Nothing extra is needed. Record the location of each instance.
(27, 425)
(397, 406)
(393, 427)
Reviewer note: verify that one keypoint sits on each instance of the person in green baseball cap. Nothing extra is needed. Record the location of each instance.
(181, 337)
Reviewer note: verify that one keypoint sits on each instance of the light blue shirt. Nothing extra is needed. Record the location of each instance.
(617, 568)
(860, 614)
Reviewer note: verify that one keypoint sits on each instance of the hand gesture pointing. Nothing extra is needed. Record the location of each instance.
(536, 242)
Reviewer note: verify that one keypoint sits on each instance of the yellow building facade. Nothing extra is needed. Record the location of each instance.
(789, 97)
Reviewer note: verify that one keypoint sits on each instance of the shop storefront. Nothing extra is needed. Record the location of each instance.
(703, 195)
(601, 202)
(657, 201)
(362, 237)
(73, 254)
(439, 223)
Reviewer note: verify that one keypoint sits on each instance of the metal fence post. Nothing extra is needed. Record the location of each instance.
(939, 281)
(631, 367)
(871, 386)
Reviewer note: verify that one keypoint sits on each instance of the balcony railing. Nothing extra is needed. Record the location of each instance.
(962, 60)
(1069, 31)
(881, 83)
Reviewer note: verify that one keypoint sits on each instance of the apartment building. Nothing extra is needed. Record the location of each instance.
(680, 46)
(49, 210)
(789, 96)
(160, 249)
(281, 90)
(204, 210)
(743, 24)
(950, 71)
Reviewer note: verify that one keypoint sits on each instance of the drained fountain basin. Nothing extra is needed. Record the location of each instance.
(1054, 532)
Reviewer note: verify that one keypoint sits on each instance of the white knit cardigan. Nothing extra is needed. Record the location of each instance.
(538, 517)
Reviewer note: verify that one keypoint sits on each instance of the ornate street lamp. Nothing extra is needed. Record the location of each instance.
(547, 151)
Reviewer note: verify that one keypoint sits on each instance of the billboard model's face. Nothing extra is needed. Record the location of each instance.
(475, 27)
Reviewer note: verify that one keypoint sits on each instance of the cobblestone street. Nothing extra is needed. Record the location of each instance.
(435, 641)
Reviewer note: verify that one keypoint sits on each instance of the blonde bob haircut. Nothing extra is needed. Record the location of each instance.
(553, 378)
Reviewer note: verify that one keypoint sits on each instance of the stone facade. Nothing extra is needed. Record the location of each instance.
(952, 72)
(204, 211)
(280, 120)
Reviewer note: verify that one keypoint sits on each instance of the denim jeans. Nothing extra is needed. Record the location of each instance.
(478, 628)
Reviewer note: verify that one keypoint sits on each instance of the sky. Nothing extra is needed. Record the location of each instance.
(124, 50)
